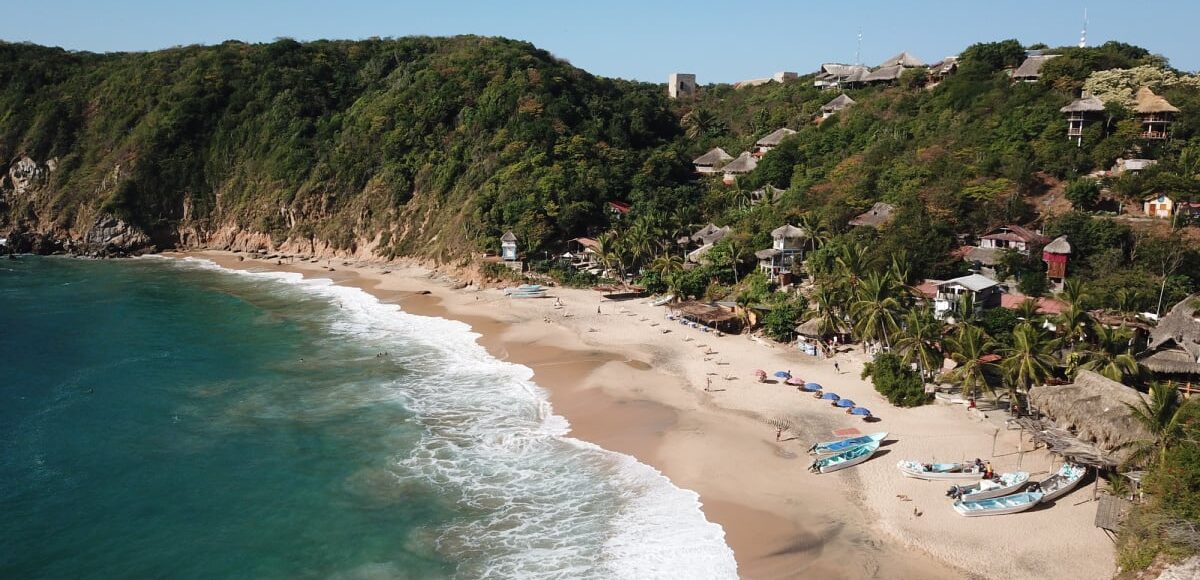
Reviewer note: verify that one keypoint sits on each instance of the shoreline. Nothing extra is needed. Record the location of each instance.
(626, 386)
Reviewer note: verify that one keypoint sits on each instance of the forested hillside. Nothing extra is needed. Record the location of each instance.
(435, 147)
(415, 140)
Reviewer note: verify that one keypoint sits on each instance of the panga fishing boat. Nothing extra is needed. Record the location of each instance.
(1003, 484)
(1061, 483)
(844, 444)
(847, 458)
(526, 291)
(663, 300)
(941, 471)
(998, 506)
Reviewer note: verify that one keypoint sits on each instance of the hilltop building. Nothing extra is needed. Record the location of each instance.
(1079, 113)
(943, 68)
(771, 141)
(1159, 205)
(832, 75)
(745, 163)
(711, 162)
(986, 254)
(787, 246)
(984, 292)
(1031, 69)
(681, 86)
(779, 77)
(1155, 114)
(836, 104)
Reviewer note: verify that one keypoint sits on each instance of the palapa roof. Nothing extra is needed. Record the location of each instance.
(879, 214)
(1148, 102)
(702, 312)
(811, 328)
(775, 137)
(714, 156)
(887, 73)
(508, 237)
(1031, 68)
(972, 282)
(903, 59)
(985, 256)
(1087, 104)
(1096, 409)
(1015, 233)
(745, 163)
(845, 71)
(711, 233)
(767, 254)
(1175, 341)
(788, 231)
(587, 243)
(1060, 245)
(838, 103)
(944, 66)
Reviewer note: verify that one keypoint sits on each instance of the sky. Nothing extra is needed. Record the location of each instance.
(647, 40)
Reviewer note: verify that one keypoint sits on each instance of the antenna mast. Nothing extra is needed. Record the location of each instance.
(1083, 34)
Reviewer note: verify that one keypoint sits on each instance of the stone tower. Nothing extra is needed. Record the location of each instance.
(681, 86)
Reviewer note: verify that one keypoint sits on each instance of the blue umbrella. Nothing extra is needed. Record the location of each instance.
(860, 411)
(811, 387)
(782, 374)
(844, 403)
(830, 396)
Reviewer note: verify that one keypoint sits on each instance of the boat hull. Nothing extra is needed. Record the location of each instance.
(847, 458)
(912, 469)
(827, 447)
(1013, 483)
(1061, 483)
(999, 506)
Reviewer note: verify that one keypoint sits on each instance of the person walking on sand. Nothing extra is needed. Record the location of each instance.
(778, 433)
(837, 368)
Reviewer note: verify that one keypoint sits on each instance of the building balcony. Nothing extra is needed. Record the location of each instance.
(1154, 135)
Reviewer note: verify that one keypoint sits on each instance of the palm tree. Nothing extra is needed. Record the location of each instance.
(1109, 353)
(963, 310)
(1162, 415)
(1073, 323)
(876, 309)
(1073, 293)
(1028, 361)
(611, 251)
(666, 265)
(1028, 310)
(702, 123)
(639, 242)
(968, 347)
(920, 340)
(737, 255)
(818, 235)
(827, 312)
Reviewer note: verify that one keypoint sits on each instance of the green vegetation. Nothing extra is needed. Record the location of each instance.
(895, 380)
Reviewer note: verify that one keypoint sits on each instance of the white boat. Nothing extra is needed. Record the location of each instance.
(525, 289)
(941, 471)
(847, 458)
(535, 294)
(1003, 484)
(663, 300)
(844, 444)
(998, 506)
(1061, 483)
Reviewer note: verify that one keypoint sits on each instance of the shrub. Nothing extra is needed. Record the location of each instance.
(896, 380)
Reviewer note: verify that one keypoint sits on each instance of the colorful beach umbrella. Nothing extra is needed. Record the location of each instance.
(760, 372)
(811, 387)
(782, 374)
(860, 411)
(844, 403)
(830, 396)
(794, 381)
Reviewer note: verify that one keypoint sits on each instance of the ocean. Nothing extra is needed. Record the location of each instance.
(165, 418)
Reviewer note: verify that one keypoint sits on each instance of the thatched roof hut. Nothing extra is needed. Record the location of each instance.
(1060, 245)
(788, 232)
(1174, 346)
(1146, 102)
(837, 103)
(1088, 104)
(1031, 68)
(879, 214)
(745, 163)
(1096, 410)
(714, 157)
(775, 137)
(903, 59)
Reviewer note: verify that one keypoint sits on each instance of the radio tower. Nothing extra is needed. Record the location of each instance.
(1083, 34)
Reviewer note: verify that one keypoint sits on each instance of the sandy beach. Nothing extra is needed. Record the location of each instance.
(626, 385)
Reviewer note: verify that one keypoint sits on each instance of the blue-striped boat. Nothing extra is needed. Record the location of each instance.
(847, 458)
(998, 506)
(844, 444)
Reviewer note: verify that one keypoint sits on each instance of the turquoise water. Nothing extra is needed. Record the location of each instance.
(162, 418)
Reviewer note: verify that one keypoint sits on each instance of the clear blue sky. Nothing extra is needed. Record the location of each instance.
(719, 41)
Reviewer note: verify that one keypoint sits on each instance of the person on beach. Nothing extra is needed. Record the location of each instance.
(837, 368)
(778, 433)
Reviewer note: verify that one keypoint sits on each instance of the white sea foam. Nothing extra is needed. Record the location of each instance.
(540, 504)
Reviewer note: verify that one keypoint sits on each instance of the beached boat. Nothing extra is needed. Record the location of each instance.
(1003, 484)
(663, 300)
(847, 458)
(524, 289)
(998, 506)
(941, 471)
(533, 294)
(1061, 483)
(844, 444)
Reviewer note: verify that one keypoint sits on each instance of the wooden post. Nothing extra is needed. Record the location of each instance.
(995, 434)
(1096, 484)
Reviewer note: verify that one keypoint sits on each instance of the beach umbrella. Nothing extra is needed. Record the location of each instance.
(760, 372)
(830, 396)
(782, 374)
(860, 411)
(844, 403)
(794, 381)
(811, 387)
